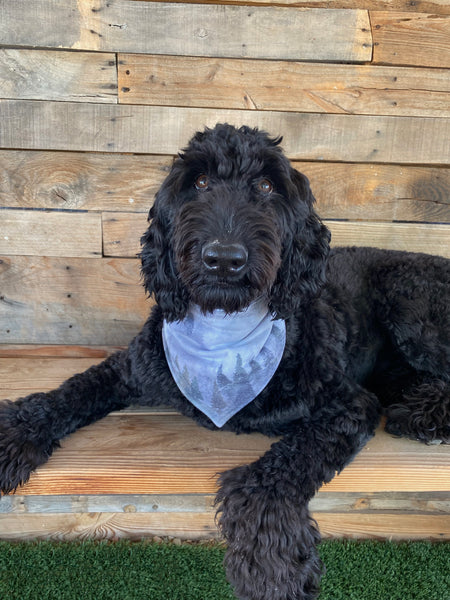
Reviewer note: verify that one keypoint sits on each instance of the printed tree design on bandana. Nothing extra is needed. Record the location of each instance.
(194, 391)
(191, 387)
(184, 378)
(266, 357)
(241, 379)
(222, 380)
(224, 387)
(217, 401)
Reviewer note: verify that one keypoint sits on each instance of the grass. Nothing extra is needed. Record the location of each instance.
(138, 571)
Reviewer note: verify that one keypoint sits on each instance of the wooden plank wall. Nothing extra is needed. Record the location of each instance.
(97, 96)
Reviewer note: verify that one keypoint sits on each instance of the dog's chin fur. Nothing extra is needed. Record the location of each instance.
(224, 296)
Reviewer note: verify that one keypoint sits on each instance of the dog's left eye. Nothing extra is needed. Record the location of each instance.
(264, 186)
(202, 182)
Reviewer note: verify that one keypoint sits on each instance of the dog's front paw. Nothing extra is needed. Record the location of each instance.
(19, 454)
(272, 540)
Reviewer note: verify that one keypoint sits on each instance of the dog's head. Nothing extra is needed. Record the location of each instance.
(233, 221)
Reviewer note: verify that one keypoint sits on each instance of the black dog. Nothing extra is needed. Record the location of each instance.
(333, 338)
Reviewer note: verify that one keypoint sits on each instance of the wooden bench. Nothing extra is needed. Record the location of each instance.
(140, 473)
(96, 99)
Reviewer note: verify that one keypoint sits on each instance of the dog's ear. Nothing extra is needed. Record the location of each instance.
(305, 251)
(158, 264)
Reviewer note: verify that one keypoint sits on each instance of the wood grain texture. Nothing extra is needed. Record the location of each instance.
(50, 233)
(27, 351)
(122, 233)
(411, 39)
(119, 128)
(427, 6)
(420, 503)
(379, 192)
(414, 237)
(198, 30)
(282, 85)
(80, 181)
(20, 377)
(70, 300)
(185, 525)
(170, 454)
(384, 526)
(62, 76)
(126, 183)
(111, 526)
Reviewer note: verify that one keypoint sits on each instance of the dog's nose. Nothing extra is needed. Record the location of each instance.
(224, 259)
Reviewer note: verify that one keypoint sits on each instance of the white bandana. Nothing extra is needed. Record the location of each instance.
(222, 362)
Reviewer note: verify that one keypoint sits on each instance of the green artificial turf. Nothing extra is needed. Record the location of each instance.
(138, 571)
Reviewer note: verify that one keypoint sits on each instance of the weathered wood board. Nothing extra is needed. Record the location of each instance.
(19, 377)
(423, 503)
(121, 128)
(27, 351)
(50, 233)
(122, 234)
(411, 39)
(126, 183)
(70, 300)
(432, 239)
(160, 454)
(282, 85)
(81, 181)
(62, 76)
(201, 525)
(379, 192)
(428, 6)
(198, 30)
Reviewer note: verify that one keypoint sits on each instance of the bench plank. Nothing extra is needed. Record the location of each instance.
(30, 351)
(161, 454)
(20, 377)
(423, 503)
(286, 86)
(135, 526)
(118, 128)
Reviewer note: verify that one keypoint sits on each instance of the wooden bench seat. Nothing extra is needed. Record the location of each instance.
(142, 473)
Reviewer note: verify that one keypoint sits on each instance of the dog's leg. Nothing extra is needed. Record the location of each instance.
(413, 296)
(263, 507)
(423, 413)
(31, 427)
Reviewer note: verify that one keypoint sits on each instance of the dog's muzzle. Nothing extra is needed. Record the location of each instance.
(224, 259)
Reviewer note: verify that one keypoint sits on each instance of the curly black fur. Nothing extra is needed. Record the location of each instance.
(365, 328)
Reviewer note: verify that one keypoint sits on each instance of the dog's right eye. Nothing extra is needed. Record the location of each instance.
(202, 182)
